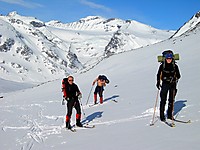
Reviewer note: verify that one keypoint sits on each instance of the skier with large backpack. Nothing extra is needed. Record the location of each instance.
(101, 80)
(169, 74)
(72, 94)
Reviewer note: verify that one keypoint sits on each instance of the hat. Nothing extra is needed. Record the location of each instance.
(169, 55)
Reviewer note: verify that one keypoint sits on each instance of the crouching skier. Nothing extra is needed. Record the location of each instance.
(72, 94)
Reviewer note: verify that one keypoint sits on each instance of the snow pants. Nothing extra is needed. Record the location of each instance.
(165, 89)
(99, 90)
(70, 104)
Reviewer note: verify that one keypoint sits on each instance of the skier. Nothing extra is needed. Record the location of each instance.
(72, 94)
(101, 80)
(169, 73)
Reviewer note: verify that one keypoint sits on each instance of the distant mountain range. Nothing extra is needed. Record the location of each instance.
(36, 51)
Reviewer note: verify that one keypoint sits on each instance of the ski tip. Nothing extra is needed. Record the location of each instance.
(89, 126)
(151, 124)
(73, 130)
(173, 125)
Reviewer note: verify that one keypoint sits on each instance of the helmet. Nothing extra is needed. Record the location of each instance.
(169, 55)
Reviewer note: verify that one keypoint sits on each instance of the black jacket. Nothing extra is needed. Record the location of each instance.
(72, 90)
(168, 73)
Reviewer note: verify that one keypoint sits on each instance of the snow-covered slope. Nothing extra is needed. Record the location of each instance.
(10, 86)
(99, 36)
(190, 26)
(35, 51)
(28, 55)
(33, 119)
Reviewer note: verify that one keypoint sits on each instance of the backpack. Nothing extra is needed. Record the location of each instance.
(161, 58)
(64, 83)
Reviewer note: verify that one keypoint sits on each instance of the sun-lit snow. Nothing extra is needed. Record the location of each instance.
(35, 51)
(33, 118)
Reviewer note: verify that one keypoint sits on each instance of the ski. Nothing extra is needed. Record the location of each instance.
(182, 121)
(85, 126)
(91, 105)
(169, 124)
(166, 122)
(72, 130)
(88, 126)
(152, 124)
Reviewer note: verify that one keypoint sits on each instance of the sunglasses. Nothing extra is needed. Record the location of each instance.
(70, 80)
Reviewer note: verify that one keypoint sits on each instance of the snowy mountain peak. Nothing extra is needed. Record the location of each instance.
(91, 18)
(190, 26)
(197, 15)
(35, 51)
(12, 14)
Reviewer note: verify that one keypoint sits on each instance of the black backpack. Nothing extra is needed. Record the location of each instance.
(166, 53)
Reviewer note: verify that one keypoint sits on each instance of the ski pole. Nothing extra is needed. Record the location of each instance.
(89, 94)
(155, 108)
(173, 124)
(82, 108)
(83, 111)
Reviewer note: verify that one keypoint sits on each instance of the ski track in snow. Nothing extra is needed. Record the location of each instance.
(39, 129)
(36, 131)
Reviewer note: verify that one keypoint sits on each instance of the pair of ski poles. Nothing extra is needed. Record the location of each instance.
(155, 106)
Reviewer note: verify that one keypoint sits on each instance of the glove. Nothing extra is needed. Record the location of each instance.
(66, 98)
(64, 101)
(79, 96)
(158, 85)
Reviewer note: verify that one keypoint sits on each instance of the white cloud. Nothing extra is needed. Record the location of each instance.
(95, 6)
(22, 3)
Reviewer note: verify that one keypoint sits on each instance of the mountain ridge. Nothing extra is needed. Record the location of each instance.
(36, 51)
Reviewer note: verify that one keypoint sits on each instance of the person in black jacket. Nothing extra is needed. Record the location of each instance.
(71, 94)
(169, 73)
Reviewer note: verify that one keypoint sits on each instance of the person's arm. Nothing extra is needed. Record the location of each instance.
(78, 93)
(159, 77)
(94, 81)
(178, 75)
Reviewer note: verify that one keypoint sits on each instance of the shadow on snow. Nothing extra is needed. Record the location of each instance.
(93, 116)
(111, 98)
(178, 106)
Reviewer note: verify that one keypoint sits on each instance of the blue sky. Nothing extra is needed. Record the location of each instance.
(161, 14)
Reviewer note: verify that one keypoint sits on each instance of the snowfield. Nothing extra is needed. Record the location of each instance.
(33, 118)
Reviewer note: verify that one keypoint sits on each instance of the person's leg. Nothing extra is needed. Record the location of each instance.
(101, 94)
(172, 92)
(78, 114)
(163, 99)
(70, 104)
